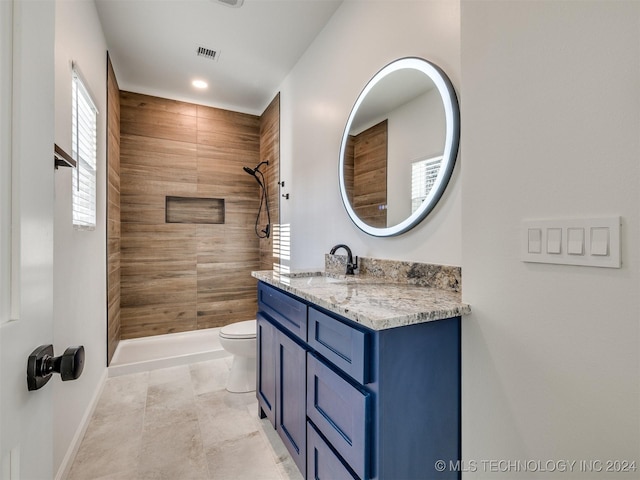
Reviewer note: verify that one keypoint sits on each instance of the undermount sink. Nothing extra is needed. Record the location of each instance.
(330, 277)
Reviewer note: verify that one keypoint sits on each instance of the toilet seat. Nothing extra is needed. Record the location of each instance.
(239, 330)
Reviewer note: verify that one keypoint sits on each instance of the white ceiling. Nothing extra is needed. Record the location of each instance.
(153, 45)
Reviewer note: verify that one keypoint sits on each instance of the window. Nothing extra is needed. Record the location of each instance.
(282, 251)
(84, 150)
(423, 176)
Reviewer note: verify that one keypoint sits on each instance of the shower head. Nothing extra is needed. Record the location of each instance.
(252, 171)
(255, 171)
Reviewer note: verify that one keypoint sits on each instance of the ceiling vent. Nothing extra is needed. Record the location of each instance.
(231, 3)
(208, 53)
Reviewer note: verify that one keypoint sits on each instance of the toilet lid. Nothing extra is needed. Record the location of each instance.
(246, 329)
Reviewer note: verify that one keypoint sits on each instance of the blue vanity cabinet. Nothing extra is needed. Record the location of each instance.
(380, 404)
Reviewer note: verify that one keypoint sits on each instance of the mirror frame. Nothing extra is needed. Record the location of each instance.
(452, 140)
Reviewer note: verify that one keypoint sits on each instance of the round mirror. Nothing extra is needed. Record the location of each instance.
(399, 147)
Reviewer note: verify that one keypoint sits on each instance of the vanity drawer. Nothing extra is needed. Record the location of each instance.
(322, 462)
(344, 346)
(284, 309)
(341, 412)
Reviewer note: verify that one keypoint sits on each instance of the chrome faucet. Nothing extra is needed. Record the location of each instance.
(351, 265)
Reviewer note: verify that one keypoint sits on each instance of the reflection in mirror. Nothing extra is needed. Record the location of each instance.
(423, 177)
(365, 169)
(399, 147)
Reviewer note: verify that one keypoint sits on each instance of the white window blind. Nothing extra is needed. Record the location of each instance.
(84, 150)
(423, 176)
(282, 251)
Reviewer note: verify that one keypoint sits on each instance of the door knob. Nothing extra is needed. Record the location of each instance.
(42, 364)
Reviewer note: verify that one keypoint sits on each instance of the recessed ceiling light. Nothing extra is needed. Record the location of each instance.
(199, 84)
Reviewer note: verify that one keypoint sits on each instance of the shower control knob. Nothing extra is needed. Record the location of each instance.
(41, 365)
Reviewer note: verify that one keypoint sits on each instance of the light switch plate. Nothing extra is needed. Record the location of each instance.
(593, 242)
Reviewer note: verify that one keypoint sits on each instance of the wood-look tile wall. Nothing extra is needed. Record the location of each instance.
(370, 175)
(270, 151)
(348, 165)
(181, 276)
(113, 212)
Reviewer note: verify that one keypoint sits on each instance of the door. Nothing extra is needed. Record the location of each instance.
(26, 232)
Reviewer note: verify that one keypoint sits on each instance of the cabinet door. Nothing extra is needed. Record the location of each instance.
(291, 398)
(266, 381)
(322, 462)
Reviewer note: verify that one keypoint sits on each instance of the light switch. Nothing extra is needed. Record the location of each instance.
(554, 240)
(535, 240)
(575, 241)
(600, 241)
(586, 241)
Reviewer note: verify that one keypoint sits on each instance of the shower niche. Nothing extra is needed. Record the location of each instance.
(194, 210)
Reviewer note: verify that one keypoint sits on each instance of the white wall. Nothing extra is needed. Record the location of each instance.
(316, 98)
(550, 128)
(79, 256)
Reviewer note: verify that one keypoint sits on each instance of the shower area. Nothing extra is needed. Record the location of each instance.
(185, 228)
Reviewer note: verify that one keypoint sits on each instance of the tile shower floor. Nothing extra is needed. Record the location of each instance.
(180, 423)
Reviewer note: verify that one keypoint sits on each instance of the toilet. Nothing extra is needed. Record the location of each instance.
(239, 339)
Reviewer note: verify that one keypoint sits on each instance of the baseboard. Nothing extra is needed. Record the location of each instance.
(67, 462)
(147, 366)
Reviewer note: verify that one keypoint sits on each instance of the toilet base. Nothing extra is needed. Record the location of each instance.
(242, 376)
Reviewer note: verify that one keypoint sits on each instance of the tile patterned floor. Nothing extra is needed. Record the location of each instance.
(180, 423)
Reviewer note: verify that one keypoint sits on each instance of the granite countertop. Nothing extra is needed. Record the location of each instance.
(368, 300)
